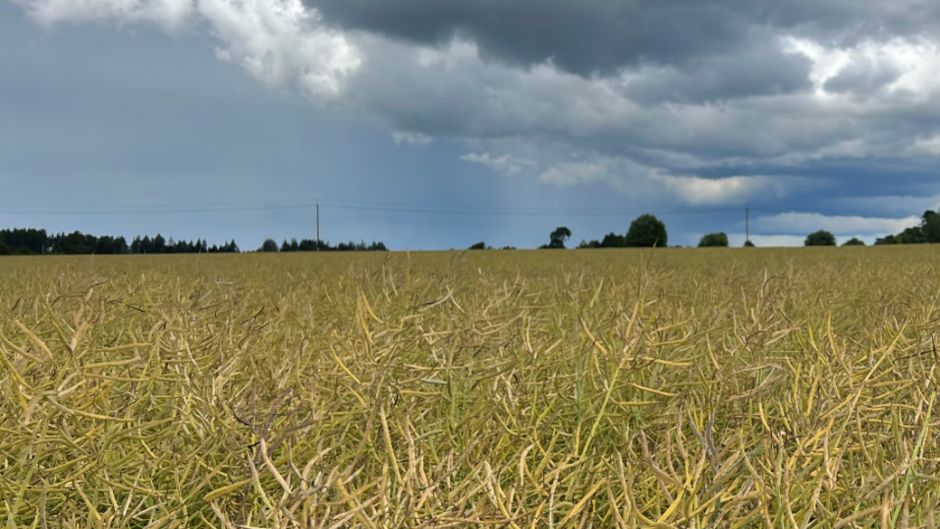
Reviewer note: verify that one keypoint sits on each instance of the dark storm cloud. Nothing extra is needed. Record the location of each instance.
(581, 36)
(600, 36)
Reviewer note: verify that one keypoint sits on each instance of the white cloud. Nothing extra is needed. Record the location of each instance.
(766, 241)
(900, 65)
(411, 138)
(637, 179)
(170, 15)
(772, 241)
(281, 42)
(278, 42)
(839, 225)
(505, 164)
(567, 174)
(715, 191)
(925, 146)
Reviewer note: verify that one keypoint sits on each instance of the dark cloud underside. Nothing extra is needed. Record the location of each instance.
(600, 36)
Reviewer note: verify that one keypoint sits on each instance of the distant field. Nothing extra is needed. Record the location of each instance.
(591, 388)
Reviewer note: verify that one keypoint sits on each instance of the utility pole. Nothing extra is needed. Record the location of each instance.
(747, 224)
(318, 224)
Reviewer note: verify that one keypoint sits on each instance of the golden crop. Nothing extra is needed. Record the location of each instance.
(594, 388)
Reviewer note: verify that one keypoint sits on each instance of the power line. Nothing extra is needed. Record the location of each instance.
(385, 207)
(346, 205)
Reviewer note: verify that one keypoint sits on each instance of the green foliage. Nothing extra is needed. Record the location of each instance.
(820, 238)
(749, 244)
(927, 232)
(30, 241)
(269, 246)
(159, 244)
(478, 246)
(854, 241)
(611, 240)
(931, 226)
(585, 244)
(558, 238)
(714, 239)
(645, 232)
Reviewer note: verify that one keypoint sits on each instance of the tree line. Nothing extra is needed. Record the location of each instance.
(28, 241)
(647, 231)
(37, 242)
(313, 245)
(927, 232)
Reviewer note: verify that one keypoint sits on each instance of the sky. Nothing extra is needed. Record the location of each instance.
(434, 125)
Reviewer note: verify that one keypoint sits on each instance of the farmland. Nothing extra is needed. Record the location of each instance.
(590, 388)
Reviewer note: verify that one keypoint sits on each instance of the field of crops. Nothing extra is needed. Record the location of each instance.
(595, 388)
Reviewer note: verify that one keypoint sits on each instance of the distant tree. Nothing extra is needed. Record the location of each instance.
(159, 244)
(931, 226)
(714, 239)
(269, 246)
(748, 244)
(25, 241)
(75, 243)
(3, 249)
(104, 245)
(612, 240)
(854, 241)
(912, 235)
(928, 231)
(478, 246)
(645, 232)
(558, 237)
(509, 247)
(820, 238)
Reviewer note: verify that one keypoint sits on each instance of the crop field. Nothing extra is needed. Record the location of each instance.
(525, 389)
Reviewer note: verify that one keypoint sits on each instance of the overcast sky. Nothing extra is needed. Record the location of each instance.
(437, 124)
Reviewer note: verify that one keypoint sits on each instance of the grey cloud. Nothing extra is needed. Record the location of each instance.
(862, 76)
(680, 85)
(581, 36)
(754, 71)
(588, 36)
(460, 96)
